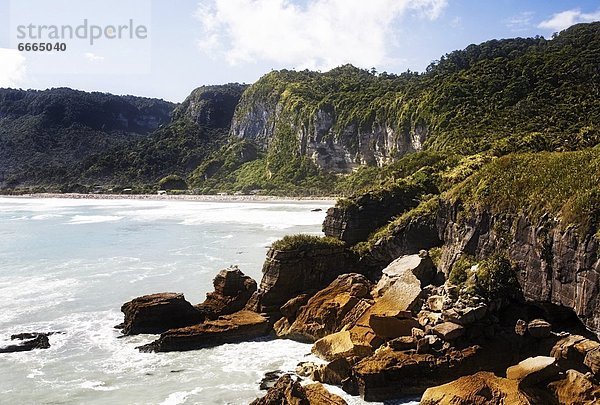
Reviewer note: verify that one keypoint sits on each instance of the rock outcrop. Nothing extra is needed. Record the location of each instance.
(575, 389)
(156, 313)
(233, 328)
(232, 291)
(290, 273)
(289, 391)
(482, 388)
(336, 306)
(29, 341)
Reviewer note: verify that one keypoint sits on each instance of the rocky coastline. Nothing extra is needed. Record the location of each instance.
(450, 306)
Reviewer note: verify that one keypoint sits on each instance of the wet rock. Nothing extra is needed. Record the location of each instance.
(482, 388)
(269, 380)
(576, 389)
(30, 341)
(334, 372)
(306, 368)
(236, 327)
(539, 328)
(157, 313)
(288, 391)
(329, 310)
(232, 291)
(448, 331)
(533, 371)
(318, 395)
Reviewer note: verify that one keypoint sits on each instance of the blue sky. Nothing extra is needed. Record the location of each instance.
(191, 42)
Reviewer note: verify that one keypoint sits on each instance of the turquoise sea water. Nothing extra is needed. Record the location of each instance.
(67, 265)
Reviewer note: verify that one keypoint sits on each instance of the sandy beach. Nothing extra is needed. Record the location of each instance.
(181, 197)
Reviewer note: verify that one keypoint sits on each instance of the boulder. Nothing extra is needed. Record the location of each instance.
(521, 327)
(592, 360)
(29, 341)
(232, 291)
(288, 391)
(329, 310)
(448, 331)
(334, 372)
(533, 371)
(481, 388)
(435, 303)
(269, 380)
(390, 326)
(465, 316)
(157, 313)
(343, 344)
(539, 328)
(420, 266)
(236, 327)
(575, 389)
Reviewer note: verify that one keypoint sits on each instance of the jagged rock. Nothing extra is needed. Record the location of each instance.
(575, 389)
(334, 372)
(269, 380)
(391, 374)
(232, 291)
(289, 273)
(390, 326)
(482, 388)
(592, 360)
(290, 308)
(533, 371)
(419, 265)
(343, 344)
(539, 328)
(236, 327)
(465, 316)
(306, 368)
(428, 343)
(521, 327)
(427, 318)
(30, 341)
(572, 350)
(288, 391)
(329, 310)
(157, 313)
(448, 331)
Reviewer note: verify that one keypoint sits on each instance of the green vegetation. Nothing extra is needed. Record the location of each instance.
(303, 241)
(460, 269)
(172, 182)
(566, 184)
(495, 278)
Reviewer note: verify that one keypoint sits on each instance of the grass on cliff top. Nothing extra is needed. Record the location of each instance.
(299, 241)
(563, 184)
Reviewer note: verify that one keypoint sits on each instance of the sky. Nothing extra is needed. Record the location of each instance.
(183, 44)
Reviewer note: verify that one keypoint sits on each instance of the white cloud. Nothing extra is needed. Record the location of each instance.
(92, 57)
(12, 68)
(520, 22)
(319, 35)
(565, 19)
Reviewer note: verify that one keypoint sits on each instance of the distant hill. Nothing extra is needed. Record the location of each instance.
(303, 132)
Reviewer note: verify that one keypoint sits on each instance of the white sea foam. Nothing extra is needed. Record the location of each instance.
(93, 219)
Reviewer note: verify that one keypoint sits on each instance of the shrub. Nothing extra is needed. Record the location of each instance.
(299, 241)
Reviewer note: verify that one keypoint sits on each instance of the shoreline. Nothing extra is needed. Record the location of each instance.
(174, 197)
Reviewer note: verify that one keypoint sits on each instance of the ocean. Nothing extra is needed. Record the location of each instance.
(67, 265)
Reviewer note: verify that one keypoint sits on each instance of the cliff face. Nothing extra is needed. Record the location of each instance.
(331, 134)
(554, 265)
